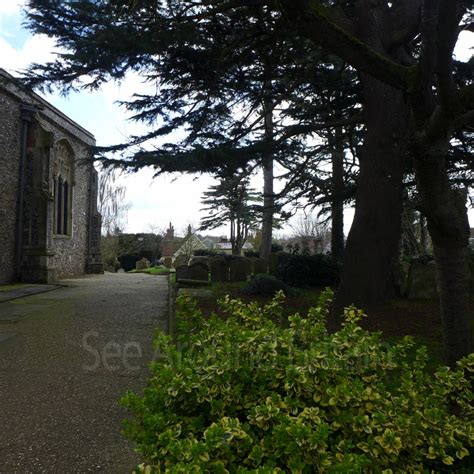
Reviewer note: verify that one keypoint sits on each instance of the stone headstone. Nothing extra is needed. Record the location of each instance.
(273, 263)
(120, 270)
(422, 282)
(142, 264)
(239, 269)
(404, 271)
(181, 260)
(182, 272)
(251, 261)
(168, 262)
(219, 270)
(205, 260)
(198, 271)
(259, 266)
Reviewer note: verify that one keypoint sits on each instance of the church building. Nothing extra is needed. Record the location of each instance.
(49, 223)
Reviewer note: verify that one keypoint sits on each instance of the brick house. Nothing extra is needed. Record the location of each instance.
(173, 246)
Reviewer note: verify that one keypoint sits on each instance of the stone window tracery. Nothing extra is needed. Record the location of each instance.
(63, 182)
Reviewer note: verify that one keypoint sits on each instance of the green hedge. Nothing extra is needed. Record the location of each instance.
(128, 261)
(304, 271)
(242, 394)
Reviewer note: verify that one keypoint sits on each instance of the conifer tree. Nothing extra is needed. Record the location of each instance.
(232, 202)
(414, 96)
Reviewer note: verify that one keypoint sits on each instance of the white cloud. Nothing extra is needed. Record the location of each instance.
(11, 7)
(38, 48)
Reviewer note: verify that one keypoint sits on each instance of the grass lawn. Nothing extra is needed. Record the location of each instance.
(399, 317)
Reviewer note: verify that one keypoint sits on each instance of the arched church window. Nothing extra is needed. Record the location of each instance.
(63, 181)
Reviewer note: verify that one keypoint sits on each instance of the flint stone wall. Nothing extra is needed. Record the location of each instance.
(10, 133)
(64, 255)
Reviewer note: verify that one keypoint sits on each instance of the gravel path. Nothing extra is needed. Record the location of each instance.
(74, 352)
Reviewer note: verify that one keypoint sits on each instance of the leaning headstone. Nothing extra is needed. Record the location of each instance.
(239, 270)
(142, 264)
(259, 266)
(181, 260)
(219, 270)
(422, 282)
(198, 271)
(182, 272)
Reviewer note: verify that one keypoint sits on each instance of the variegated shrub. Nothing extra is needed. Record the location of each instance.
(243, 394)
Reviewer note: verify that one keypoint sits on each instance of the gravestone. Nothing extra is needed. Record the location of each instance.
(181, 260)
(251, 262)
(273, 263)
(142, 264)
(182, 272)
(404, 271)
(422, 282)
(168, 262)
(219, 270)
(259, 266)
(203, 259)
(120, 270)
(198, 271)
(239, 269)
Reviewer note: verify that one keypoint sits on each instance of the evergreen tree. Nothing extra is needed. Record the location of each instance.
(206, 58)
(234, 85)
(232, 202)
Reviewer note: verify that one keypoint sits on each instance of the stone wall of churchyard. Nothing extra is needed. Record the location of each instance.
(10, 138)
(71, 251)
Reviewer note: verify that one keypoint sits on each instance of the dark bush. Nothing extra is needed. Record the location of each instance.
(205, 253)
(264, 285)
(229, 257)
(303, 271)
(128, 261)
(148, 254)
(276, 247)
(424, 259)
(251, 253)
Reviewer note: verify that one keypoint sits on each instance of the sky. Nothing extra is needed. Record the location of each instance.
(154, 201)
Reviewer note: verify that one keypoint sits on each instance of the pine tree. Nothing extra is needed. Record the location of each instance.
(232, 202)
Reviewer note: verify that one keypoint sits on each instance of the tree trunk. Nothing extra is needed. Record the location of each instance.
(239, 239)
(268, 197)
(446, 213)
(372, 244)
(337, 204)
